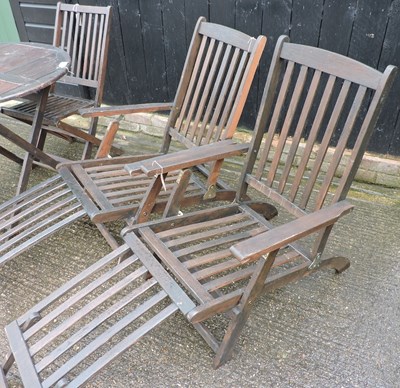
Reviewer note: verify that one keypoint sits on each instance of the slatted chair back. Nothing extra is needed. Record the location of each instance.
(321, 100)
(213, 88)
(83, 32)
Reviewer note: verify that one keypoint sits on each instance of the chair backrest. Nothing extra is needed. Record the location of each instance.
(214, 85)
(83, 32)
(313, 100)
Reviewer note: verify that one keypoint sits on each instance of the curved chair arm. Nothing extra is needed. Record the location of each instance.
(124, 109)
(274, 239)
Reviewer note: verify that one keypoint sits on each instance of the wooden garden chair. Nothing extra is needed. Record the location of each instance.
(215, 82)
(83, 32)
(217, 261)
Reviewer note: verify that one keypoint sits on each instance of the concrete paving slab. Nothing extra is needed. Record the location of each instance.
(325, 331)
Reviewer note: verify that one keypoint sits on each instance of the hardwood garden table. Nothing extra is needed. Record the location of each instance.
(29, 70)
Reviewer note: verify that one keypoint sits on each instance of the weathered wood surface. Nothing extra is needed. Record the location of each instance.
(83, 32)
(26, 68)
(218, 260)
(30, 69)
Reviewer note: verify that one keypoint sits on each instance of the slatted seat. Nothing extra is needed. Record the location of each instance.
(215, 82)
(83, 32)
(220, 259)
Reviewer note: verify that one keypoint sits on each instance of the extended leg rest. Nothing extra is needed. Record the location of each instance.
(34, 215)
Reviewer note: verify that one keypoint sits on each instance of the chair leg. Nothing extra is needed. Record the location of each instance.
(106, 144)
(242, 311)
(235, 327)
(174, 202)
(87, 151)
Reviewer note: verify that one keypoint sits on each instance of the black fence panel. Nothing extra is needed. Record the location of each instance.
(149, 40)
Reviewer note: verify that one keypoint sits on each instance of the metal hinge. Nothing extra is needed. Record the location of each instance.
(316, 262)
(210, 193)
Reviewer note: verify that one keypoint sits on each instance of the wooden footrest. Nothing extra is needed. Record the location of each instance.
(88, 322)
(35, 214)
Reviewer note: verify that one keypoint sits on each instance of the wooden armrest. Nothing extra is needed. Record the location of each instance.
(283, 235)
(87, 163)
(187, 158)
(124, 109)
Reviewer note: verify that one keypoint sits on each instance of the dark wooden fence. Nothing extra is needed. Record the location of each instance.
(150, 37)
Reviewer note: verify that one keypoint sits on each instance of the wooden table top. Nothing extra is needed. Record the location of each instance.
(26, 68)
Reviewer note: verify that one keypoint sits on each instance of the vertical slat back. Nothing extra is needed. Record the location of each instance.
(83, 31)
(324, 105)
(219, 69)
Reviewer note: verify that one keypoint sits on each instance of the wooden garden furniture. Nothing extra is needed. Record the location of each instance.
(215, 262)
(26, 69)
(215, 82)
(83, 32)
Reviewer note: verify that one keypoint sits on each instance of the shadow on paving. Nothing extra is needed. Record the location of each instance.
(325, 331)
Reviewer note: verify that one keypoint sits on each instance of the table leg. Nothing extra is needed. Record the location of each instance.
(34, 139)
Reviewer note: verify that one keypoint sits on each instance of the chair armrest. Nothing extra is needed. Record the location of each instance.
(187, 158)
(283, 235)
(124, 109)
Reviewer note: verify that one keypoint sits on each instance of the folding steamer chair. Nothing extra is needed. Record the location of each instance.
(217, 261)
(214, 85)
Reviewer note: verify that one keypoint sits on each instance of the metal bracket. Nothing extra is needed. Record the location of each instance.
(210, 193)
(316, 262)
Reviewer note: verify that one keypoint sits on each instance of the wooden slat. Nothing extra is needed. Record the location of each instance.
(312, 136)
(70, 284)
(78, 70)
(341, 145)
(174, 265)
(322, 149)
(278, 108)
(104, 338)
(207, 258)
(29, 196)
(214, 95)
(37, 217)
(231, 278)
(210, 223)
(79, 193)
(291, 110)
(209, 233)
(193, 77)
(227, 81)
(299, 130)
(197, 91)
(216, 269)
(93, 324)
(21, 247)
(125, 344)
(205, 98)
(230, 101)
(174, 291)
(99, 282)
(332, 63)
(22, 357)
(108, 292)
(218, 242)
(100, 199)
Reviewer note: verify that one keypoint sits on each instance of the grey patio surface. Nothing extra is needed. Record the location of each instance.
(325, 331)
